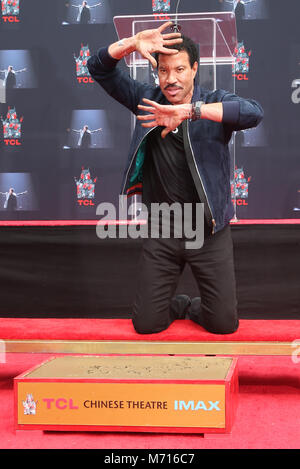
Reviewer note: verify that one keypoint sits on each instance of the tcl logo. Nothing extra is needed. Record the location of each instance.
(85, 203)
(161, 17)
(85, 80)
(12, 142)
(60, 403)
(241, 76)
(240, 202)
(10, 19)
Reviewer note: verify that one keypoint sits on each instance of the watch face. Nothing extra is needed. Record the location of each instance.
(198, 109)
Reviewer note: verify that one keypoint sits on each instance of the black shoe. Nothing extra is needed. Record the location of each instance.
(179, 306)
(193, 311)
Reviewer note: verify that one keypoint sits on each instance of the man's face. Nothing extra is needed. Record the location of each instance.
(176, 77)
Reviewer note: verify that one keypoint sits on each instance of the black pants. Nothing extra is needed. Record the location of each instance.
(162, 263)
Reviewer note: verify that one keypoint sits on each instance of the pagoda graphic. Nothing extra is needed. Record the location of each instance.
(12, 125)
(81, 61)
(85, 185)
(240, 187)
(242, 59)
(10, 7)
(29, 405)
(161, 6)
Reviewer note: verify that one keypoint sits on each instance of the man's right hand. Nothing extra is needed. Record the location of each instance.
(146, 43)
(153, 40)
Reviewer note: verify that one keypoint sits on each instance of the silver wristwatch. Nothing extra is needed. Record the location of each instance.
(196, 110)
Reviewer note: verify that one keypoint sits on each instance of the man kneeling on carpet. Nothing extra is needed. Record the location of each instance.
(184, 158)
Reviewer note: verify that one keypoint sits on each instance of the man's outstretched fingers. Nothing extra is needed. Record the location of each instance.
(153, 104)
(165, 132)
(151, 59)
(146, 108)
(165, 26)
(164, 50)
(172, 36)
(149, 124)
(171, 42)
(145, 118)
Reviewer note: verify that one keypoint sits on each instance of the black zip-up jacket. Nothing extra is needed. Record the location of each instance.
(205, 141)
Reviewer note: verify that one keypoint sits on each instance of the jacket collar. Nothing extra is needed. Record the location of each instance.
(198, 92)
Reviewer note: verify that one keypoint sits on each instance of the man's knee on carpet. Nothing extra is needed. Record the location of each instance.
(220, 319)
(217, 317)
(148, 325)
(223, 327)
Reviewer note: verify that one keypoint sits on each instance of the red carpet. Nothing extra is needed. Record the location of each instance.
(269, 400)
(268, 414)
(122, 329)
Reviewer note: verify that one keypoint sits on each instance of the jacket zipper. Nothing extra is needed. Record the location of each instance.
(189, 140)
(133, 158)
(201, 182)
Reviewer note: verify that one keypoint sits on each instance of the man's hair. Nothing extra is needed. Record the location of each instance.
(186, 45)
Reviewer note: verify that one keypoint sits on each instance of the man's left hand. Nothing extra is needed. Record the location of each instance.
(168, 116)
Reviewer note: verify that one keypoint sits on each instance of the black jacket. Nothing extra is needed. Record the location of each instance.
(206, 142)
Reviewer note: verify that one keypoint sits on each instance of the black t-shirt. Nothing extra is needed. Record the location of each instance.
(166, 175)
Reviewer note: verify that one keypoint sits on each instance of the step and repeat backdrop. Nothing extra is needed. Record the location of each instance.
(64, 142)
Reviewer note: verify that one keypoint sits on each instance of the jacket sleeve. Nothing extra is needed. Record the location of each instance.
(240, 113)
(118, 84)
